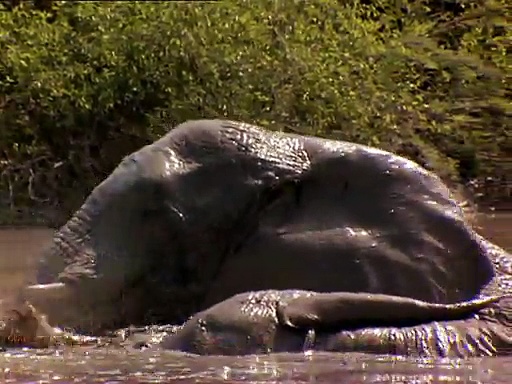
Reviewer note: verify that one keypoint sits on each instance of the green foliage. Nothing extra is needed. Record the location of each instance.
(81, 89)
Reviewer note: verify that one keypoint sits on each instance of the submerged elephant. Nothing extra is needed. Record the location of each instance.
(216, 208)
(295, 321)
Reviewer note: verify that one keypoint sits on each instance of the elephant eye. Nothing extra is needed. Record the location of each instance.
(292, 188)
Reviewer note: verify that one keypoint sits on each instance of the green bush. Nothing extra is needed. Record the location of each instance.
(90, 82)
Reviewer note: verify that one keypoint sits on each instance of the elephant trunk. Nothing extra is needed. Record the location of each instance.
(70, 243)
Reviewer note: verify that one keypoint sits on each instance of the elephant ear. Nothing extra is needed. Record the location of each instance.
(339, 309)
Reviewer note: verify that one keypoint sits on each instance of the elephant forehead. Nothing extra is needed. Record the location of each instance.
(283, 151)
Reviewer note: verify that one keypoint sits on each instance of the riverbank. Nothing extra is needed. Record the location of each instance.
(428, 83)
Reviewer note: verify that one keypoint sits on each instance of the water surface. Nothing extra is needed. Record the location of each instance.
(114, 366)
(19, 247)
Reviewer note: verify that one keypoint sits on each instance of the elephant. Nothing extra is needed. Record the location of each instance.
(216, 208)
(298, 321)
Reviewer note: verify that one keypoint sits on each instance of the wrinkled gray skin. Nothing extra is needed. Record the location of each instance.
(295, 321)
(216, 208)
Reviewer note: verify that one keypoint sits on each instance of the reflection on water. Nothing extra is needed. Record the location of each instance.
(116, 365)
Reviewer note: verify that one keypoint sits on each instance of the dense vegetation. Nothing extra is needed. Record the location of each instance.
(83, 84)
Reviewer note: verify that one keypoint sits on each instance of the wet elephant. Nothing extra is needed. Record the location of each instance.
(300, 321)
(216, 208)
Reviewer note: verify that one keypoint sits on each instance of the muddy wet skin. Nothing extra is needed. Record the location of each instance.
(215, 223)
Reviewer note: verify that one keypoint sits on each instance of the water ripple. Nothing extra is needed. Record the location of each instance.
(104, 365)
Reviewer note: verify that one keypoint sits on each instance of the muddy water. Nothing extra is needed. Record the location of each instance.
(19, 247)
